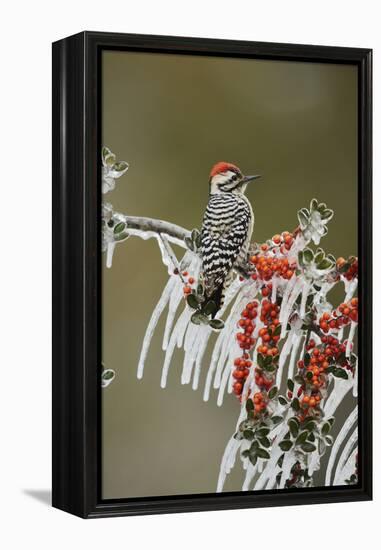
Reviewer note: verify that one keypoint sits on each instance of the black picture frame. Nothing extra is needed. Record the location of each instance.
(76, 273)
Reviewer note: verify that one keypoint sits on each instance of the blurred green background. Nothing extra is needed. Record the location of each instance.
(172, 117)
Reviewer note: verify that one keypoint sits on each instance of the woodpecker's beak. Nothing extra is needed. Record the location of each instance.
(246, 179)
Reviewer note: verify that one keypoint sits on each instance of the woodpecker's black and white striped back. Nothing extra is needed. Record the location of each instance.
(225, 237)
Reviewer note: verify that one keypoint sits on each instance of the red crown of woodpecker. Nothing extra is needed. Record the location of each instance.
(221, 167)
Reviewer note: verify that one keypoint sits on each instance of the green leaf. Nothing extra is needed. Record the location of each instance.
(188, 241)
(121, 236)
(308, 255)
(248, 434)
(308, 447)
(265, 442)
(199, 319)
(262, 453)
(331, 420)
(310, 425)
(249, 405)
(319, 256)
(217, 324)
(195, 233)
(192, 301)
(302, 437)
(262, 432)
(260, 360)
(254, 446)
(120, 166)
(210, 308)
(276, 419)
(322, 206)
(245, 453)
(119, 227)
(253, 459)
(328, 440)
(327, 215)
(303, 219)
(272, 393)
(294, 427)
(269, 368)
(268, 360)
(309, 375)
(326, 428)
(108, 374)
(340, 373)
(325, 264)
(282, 400)
(290, 385)
(295, 404)
(280, 461)
(307, 359)
(313, 205)
(285, 445)
(277, 330)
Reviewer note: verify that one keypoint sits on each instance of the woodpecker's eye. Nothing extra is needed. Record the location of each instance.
(235, 177)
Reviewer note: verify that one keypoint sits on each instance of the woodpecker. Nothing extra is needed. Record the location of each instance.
(226, 230)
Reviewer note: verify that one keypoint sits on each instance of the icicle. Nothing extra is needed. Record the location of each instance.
(176, 338)
(348, 469)
(350, 287)
(352, 441)
(288, 462)
(110, 253)
(160, 306)
(250, 474)
(352, 332)
(190, 350)
(226, 462)
(287, 291)
(340, 389)
(350, 421)
(297, 338)
(355, 379)
(274, 282)
(288, 308)
(174, 302)
(305, 291)
(283, 356)
(314, 462)
(201, 344)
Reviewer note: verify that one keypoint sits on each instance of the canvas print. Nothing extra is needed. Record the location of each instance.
(229, 274)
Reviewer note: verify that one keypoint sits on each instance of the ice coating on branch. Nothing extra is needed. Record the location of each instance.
(111, 170)
(160, 306)
(347, 426)
(348, 468)
(349, 446)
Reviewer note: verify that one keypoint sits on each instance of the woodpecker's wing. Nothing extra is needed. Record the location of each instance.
(225, 230)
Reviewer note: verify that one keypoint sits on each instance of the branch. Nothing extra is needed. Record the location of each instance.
(151, 225)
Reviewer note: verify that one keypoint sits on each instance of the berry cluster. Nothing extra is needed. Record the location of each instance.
(340, 317)
(348, 268)
(246, 343)
(268, 352)
(318, 362)
(188, 281)
(268, 263)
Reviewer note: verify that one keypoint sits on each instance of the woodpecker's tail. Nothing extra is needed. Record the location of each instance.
(217, 295)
